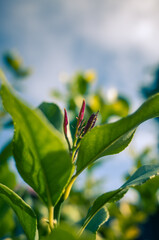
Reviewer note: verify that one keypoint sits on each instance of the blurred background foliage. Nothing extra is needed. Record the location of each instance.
(130, 220)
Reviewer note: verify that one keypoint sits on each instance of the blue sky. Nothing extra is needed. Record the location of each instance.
(119, 39)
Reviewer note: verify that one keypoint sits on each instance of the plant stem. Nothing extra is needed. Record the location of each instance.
(69, 145)
(75, 149)
(74, 155)
(51, 217)
(57, 210)
(68, 189)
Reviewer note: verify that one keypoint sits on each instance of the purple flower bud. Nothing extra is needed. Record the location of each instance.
(91, 122)
(65, 122)
(81, 114)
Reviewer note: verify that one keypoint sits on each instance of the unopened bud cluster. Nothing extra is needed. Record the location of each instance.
(81, 127)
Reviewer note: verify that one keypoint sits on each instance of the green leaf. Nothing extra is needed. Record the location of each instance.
(114, 137)
(100, 202)
(15, 64)
(53, 113)
(143, 174)
(66, 232)
(120, 108)
(7, 177)
(40, 151)
(7, 223)
(98, 220)
(6, 153)
(23, 211)
(61, 234)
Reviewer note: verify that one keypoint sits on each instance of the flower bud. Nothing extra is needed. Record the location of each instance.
(91, 122)
(81, 114)
(65, 122)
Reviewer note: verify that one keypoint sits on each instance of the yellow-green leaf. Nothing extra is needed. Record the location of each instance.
(114, 137)
(40, 151)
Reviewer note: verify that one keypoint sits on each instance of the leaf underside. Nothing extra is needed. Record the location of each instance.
(143, 174)
(98, 220)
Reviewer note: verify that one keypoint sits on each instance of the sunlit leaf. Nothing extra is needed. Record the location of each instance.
(114, 137)
(40, 151)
